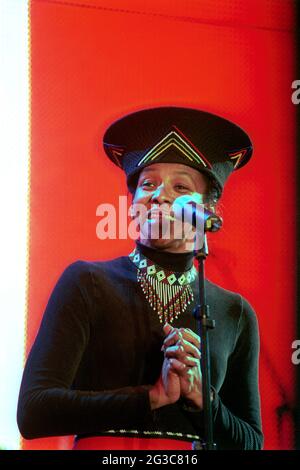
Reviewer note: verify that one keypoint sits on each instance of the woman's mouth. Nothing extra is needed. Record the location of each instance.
(160, 214)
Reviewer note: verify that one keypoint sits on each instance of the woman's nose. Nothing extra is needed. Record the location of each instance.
(161, 195)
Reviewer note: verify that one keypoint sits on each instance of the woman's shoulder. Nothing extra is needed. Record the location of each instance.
(222, 294)
(82, 270)
(231, 299)
(234, 309)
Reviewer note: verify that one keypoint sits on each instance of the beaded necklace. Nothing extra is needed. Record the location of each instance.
(168, 293)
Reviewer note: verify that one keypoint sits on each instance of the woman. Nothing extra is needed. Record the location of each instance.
(117, 354)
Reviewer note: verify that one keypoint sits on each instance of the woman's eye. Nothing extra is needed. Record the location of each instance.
(181, 187)
(147, 184)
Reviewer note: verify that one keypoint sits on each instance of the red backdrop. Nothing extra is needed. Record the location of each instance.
(94, 60)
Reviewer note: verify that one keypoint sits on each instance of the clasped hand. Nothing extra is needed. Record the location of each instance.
(181, 371)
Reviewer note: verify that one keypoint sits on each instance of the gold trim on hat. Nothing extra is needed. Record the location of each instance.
(238, 157)
(173, 139)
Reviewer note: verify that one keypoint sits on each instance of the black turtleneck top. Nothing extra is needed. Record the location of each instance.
(98, 351)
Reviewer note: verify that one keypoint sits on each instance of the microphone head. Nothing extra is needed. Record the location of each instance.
(193, 206)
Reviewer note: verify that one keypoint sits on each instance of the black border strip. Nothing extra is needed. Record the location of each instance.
(246, 459)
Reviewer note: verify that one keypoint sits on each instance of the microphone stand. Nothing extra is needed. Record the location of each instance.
(204, 324)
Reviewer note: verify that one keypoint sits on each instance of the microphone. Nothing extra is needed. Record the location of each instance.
(196, 214)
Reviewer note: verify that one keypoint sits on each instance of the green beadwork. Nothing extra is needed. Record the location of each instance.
(167, 293)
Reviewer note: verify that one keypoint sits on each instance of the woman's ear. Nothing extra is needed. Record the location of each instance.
(211, 206)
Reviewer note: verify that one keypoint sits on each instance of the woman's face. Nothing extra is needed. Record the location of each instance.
(158, 186)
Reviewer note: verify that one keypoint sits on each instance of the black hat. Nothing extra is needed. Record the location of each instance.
(201, 140)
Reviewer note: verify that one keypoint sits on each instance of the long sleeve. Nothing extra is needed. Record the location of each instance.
(47, 404)
(237, 413)
(236, 408)
(97, 353)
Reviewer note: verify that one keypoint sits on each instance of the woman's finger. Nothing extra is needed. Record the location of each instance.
(178, 353)
(175, 364)
(172, 338)
(189, 348)
(190, 336)
(167, 328)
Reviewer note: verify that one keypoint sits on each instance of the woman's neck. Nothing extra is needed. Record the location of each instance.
(177, 262)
